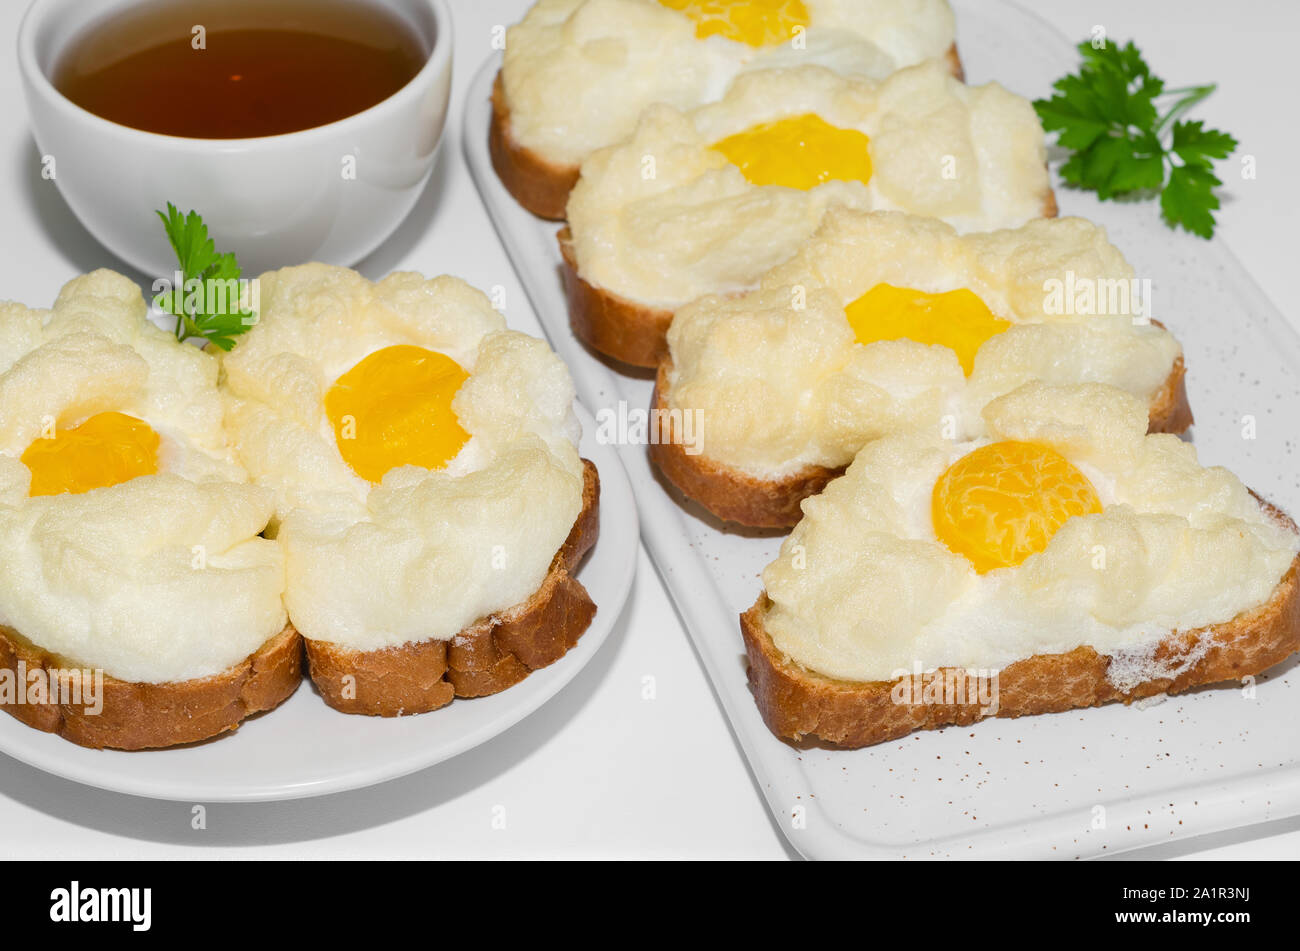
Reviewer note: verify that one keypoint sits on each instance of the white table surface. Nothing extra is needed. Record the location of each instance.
(600, 771)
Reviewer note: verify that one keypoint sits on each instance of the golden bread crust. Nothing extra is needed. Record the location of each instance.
(613, 326)
(953, 59)
(539, 185)
(1170, 411)
(139, 716)
(728, 493)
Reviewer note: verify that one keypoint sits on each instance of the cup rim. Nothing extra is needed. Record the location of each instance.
(438, 62)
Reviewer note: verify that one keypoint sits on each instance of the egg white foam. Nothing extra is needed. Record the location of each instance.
(863, 590)
(159, 579)
(779, 382)
(663, 218)
(578, 73)
(425, 553)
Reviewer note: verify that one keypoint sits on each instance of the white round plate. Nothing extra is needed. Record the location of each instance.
(303, 748)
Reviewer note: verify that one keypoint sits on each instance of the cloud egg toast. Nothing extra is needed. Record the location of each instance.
(705, 202)
(1066, 559)
(430, 498)
(885, 322)
(577, 73)
(132, 562)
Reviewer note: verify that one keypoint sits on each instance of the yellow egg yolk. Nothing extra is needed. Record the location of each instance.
(394, 409)
(958, 320)
(754, 22)
(106, 449)
(798, 152)
(1003, 502)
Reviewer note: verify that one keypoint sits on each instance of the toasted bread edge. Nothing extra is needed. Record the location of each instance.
(138, 716)
(538, 184)
(490, 655)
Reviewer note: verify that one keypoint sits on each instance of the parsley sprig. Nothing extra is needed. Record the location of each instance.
(1127, 135)
(212, 308)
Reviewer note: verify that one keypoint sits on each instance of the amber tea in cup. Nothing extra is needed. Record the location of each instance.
(234, 69)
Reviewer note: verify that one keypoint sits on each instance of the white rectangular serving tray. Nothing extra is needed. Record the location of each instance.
(1070, 785)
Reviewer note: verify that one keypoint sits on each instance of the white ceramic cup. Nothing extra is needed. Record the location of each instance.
(276, 200)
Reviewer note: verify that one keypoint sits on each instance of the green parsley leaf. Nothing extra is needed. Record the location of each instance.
(1189, 200)
(208, 304)
(1196, 145)
(1108, 114)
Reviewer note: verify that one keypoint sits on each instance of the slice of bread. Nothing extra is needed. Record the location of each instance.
(736, 496)
(538, 184)
(139, 716)
(622, 330)
(807, 708)
(490, 655)
(543, 186)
